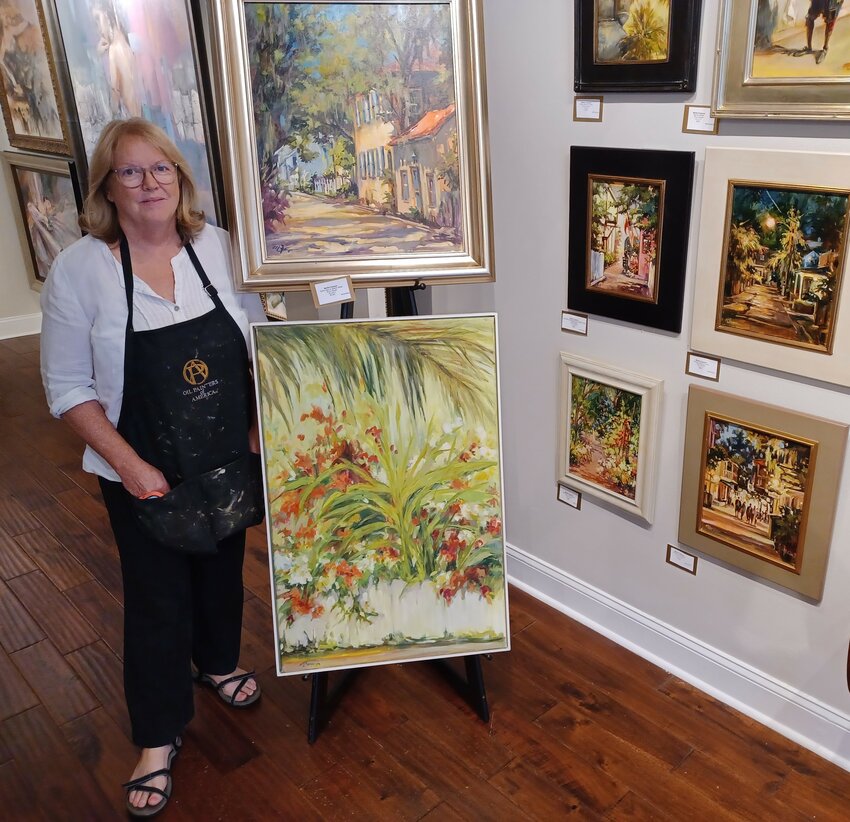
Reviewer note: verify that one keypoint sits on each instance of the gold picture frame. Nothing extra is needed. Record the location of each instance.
(760, 487)
(403, 196)
(608, 448)
(729, 322)
(764, 67)
(33, 109)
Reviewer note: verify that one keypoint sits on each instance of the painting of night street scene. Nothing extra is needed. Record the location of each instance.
(756, 489)
(356, 124)
(625, 229)
(632, 31)
(604, 435)
(782, 264)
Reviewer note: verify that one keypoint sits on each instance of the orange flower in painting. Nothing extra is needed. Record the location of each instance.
(459, 484)
(303, 462)
(454, 509)
(308, 532)
(341, 480)
(290, 503)
(388, 552)
(375, 433)
(348, 572)
(451, 546)
(494, 526)
(317, 414)
(299, 603)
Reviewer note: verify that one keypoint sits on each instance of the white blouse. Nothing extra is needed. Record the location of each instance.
(84, 317)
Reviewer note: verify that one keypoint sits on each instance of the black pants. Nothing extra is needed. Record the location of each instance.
(177, 609)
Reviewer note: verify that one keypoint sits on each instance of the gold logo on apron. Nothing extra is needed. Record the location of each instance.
(195, 372)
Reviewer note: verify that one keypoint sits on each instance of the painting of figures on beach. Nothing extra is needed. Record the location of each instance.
(28, 94)
(49, 208)
(356, 129)
(804, 40)
(604, 435)
(625, 230)
(382, 466)
(756, 489)
(133, 59)
(632, 31)
(782, 264)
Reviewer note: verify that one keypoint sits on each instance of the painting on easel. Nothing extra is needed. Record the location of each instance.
(381, 453)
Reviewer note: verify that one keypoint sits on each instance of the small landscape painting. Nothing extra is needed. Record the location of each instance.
(604, 435)
(756, 487)
(49, 209)
(356, 128)
(805, 41)
(782, 264)
(382, 465)
(632, 31)
(625, 231)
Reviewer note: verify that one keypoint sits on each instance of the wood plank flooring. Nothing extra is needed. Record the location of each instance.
(580, 727)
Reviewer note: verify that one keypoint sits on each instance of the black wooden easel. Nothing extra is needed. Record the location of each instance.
(401, 302)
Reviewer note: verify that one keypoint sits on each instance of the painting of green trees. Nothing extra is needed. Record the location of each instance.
(355, 124)
(784, 256)
(604, 435)
(382, 468)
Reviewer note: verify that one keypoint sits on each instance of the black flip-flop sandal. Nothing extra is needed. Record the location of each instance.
(139, 785)
(242, 679)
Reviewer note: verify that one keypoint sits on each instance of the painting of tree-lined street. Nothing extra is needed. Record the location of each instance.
(356, 124)
(382, 460)
(604, 435)
(632, 31)
(782, 264)
(625, 223)
(755, 490)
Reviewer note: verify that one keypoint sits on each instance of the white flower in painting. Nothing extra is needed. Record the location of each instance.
(300, 573)
(282, 562)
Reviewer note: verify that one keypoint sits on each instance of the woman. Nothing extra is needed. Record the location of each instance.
(144, 355)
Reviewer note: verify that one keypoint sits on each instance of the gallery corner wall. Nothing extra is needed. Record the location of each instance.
(775, 656)
(19, 308)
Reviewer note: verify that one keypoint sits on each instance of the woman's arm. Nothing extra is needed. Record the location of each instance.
(90, 422)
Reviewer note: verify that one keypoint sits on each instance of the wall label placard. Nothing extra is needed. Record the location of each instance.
(682, 559)
(698, 120)
(587, 109)
(703, 366)
(569, 496)
(574, 323)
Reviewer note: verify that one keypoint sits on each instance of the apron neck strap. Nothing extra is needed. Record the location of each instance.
(208, 286)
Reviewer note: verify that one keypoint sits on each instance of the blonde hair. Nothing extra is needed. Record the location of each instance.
(100, 217)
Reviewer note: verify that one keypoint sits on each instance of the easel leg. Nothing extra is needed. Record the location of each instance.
(318, 703)
(477, 692)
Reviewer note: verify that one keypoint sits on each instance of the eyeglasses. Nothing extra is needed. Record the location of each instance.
(133, 176)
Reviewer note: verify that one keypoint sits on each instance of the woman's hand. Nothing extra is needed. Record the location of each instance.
(140, 478)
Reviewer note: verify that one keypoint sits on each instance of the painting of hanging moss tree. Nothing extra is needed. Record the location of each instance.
(383, 479)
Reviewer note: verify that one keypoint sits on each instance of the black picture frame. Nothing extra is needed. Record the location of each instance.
(675, 169)
(677, 73)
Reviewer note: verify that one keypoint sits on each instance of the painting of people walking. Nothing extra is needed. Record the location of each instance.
(632, 31)
(782, 263)
(803, 40)
(607, 433)
(756, 486)
(625, 230)
(356, 128)
(381, 453)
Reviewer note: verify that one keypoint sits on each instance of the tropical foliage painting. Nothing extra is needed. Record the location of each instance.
(354, 108)
(381, 453)
(632, 31)
(625, 224)
(783, 264)
(755, 490)
(803, 41)
(604, 435)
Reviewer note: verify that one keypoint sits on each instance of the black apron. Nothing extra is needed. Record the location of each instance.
(187, 410)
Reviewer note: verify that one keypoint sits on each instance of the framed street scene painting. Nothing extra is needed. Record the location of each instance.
(771, 264)
(363, 150)
(784, 58)
(49, 205)
(383, 475)
(126, 59)
(608, 426)
(760, 486)
(636, 45)
(629, 223)
(29, 92)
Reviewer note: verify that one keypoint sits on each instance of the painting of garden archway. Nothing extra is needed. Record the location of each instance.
(381, 454)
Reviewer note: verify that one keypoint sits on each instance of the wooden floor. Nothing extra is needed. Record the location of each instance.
(579, 725)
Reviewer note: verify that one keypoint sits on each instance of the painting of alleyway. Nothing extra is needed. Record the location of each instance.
(755, 490)
(355, 116)
(782, 264)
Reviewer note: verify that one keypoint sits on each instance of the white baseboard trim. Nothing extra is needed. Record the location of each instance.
(19, 326)
(790, 712)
